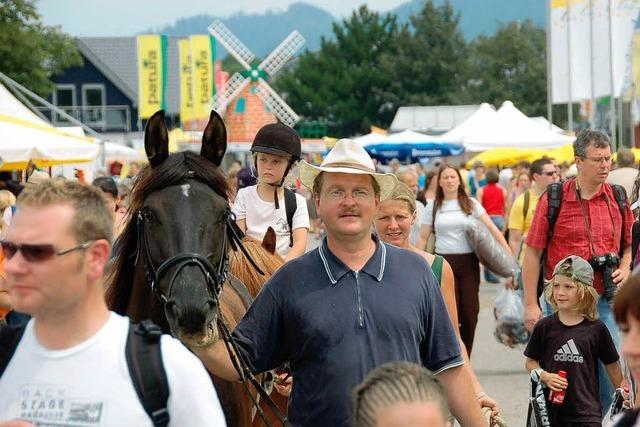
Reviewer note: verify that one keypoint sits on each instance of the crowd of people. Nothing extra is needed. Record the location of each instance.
(377, 324)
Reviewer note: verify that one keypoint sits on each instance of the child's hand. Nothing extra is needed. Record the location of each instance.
(554, 381)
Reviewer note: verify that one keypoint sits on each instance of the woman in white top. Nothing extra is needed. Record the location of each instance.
(448, 215)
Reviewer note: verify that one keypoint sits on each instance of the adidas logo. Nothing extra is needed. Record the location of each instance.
(568, 353)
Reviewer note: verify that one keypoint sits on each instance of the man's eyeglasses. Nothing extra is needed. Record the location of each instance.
(38, 253)
(549, 173)
(357, 194)
(599, 160)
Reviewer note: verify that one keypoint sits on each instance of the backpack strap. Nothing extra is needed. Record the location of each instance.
(620, 194)
(436, 267)
(554, 197)
(144, 358)
(290, 207)
(10, 337)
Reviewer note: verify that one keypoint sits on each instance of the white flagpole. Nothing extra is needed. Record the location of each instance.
(592, 110)
(570, 83)
(549, 76)
(612, 100)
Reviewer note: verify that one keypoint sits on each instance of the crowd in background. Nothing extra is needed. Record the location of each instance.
(427, 213)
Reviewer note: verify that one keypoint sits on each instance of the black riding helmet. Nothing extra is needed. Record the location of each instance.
(280, 140)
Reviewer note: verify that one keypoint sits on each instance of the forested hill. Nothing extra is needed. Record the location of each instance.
(262, 32)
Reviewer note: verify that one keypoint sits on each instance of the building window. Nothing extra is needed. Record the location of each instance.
(240, 105)
(93, 103)
(64, 96)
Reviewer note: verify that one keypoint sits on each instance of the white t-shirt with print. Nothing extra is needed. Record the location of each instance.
(260, 215)
(449, 225)
(89, 384)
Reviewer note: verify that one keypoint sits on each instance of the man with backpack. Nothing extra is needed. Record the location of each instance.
(74, 361)
(584, 217)
(543, 173)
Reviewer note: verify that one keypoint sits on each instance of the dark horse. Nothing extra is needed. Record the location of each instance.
(173, 259)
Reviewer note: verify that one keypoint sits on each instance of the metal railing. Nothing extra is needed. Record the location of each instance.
(102, 118)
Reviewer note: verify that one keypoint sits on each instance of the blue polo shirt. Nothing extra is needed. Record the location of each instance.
(334, 325)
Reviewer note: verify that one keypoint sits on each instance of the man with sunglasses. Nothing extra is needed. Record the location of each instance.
(69, 366)
(542, 173)
(589, 224)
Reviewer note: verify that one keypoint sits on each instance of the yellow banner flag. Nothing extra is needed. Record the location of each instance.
(202, 60)
(187, 112)
(152, 74)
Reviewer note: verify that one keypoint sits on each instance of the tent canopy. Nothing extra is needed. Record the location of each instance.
(508, 128)
(25, 136)
(505, 156)
(512, 128)
(475, 123)
(412, 146)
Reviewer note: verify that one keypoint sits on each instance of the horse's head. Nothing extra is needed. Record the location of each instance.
(182, 228)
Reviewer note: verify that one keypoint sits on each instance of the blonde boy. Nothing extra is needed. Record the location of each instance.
(572, 339)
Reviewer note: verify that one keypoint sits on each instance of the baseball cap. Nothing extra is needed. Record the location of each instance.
(575, 267)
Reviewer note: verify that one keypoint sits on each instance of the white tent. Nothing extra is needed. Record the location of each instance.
(477, 122)
(370, 137)
(543, 123)
(409, 136)
(25, 136)
(113, 151)
(510, 128)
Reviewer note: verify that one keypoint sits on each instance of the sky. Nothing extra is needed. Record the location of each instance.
(127, 17)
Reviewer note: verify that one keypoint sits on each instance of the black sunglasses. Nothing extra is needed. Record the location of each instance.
(38, 253)
(549, 173)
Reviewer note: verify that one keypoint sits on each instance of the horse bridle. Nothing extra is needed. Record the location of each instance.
(215, 278)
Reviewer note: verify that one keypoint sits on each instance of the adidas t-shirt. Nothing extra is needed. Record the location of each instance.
(575, 350)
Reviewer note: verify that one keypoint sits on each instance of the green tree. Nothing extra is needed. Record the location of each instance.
(429, 66)
(30, 52)
(510, 65)
(342, 84)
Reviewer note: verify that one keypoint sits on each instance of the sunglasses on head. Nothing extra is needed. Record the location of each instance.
(37, 253)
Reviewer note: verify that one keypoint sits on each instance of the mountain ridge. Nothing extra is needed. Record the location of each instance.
(261, 33)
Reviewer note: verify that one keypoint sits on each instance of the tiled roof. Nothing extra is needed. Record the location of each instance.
(116, 58)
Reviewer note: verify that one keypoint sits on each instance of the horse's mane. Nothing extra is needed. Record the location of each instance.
(175, 170)
(244, 271)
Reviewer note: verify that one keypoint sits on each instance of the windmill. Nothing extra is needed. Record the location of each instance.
(250, 83)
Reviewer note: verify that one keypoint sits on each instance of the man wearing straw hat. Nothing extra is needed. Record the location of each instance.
(352, 304)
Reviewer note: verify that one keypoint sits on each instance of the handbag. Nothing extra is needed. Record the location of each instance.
(490, 253)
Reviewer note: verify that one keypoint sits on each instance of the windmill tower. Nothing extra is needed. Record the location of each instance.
(248, 102)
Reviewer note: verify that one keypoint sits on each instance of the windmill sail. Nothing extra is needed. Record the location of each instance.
(233, 87)
(277, 104)
(235, 47)
(282, 53)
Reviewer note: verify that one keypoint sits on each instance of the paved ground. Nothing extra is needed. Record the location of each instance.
(499, 368)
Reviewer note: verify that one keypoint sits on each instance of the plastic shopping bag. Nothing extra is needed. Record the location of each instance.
(509, 314)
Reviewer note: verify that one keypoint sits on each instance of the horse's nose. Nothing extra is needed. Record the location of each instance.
(172, 310)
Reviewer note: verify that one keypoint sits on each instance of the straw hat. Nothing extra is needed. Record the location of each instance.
(348, 156)
(37, 177)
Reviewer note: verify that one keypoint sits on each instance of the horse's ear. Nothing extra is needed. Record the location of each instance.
(156, 139)
(214, 139)
(269, 240)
